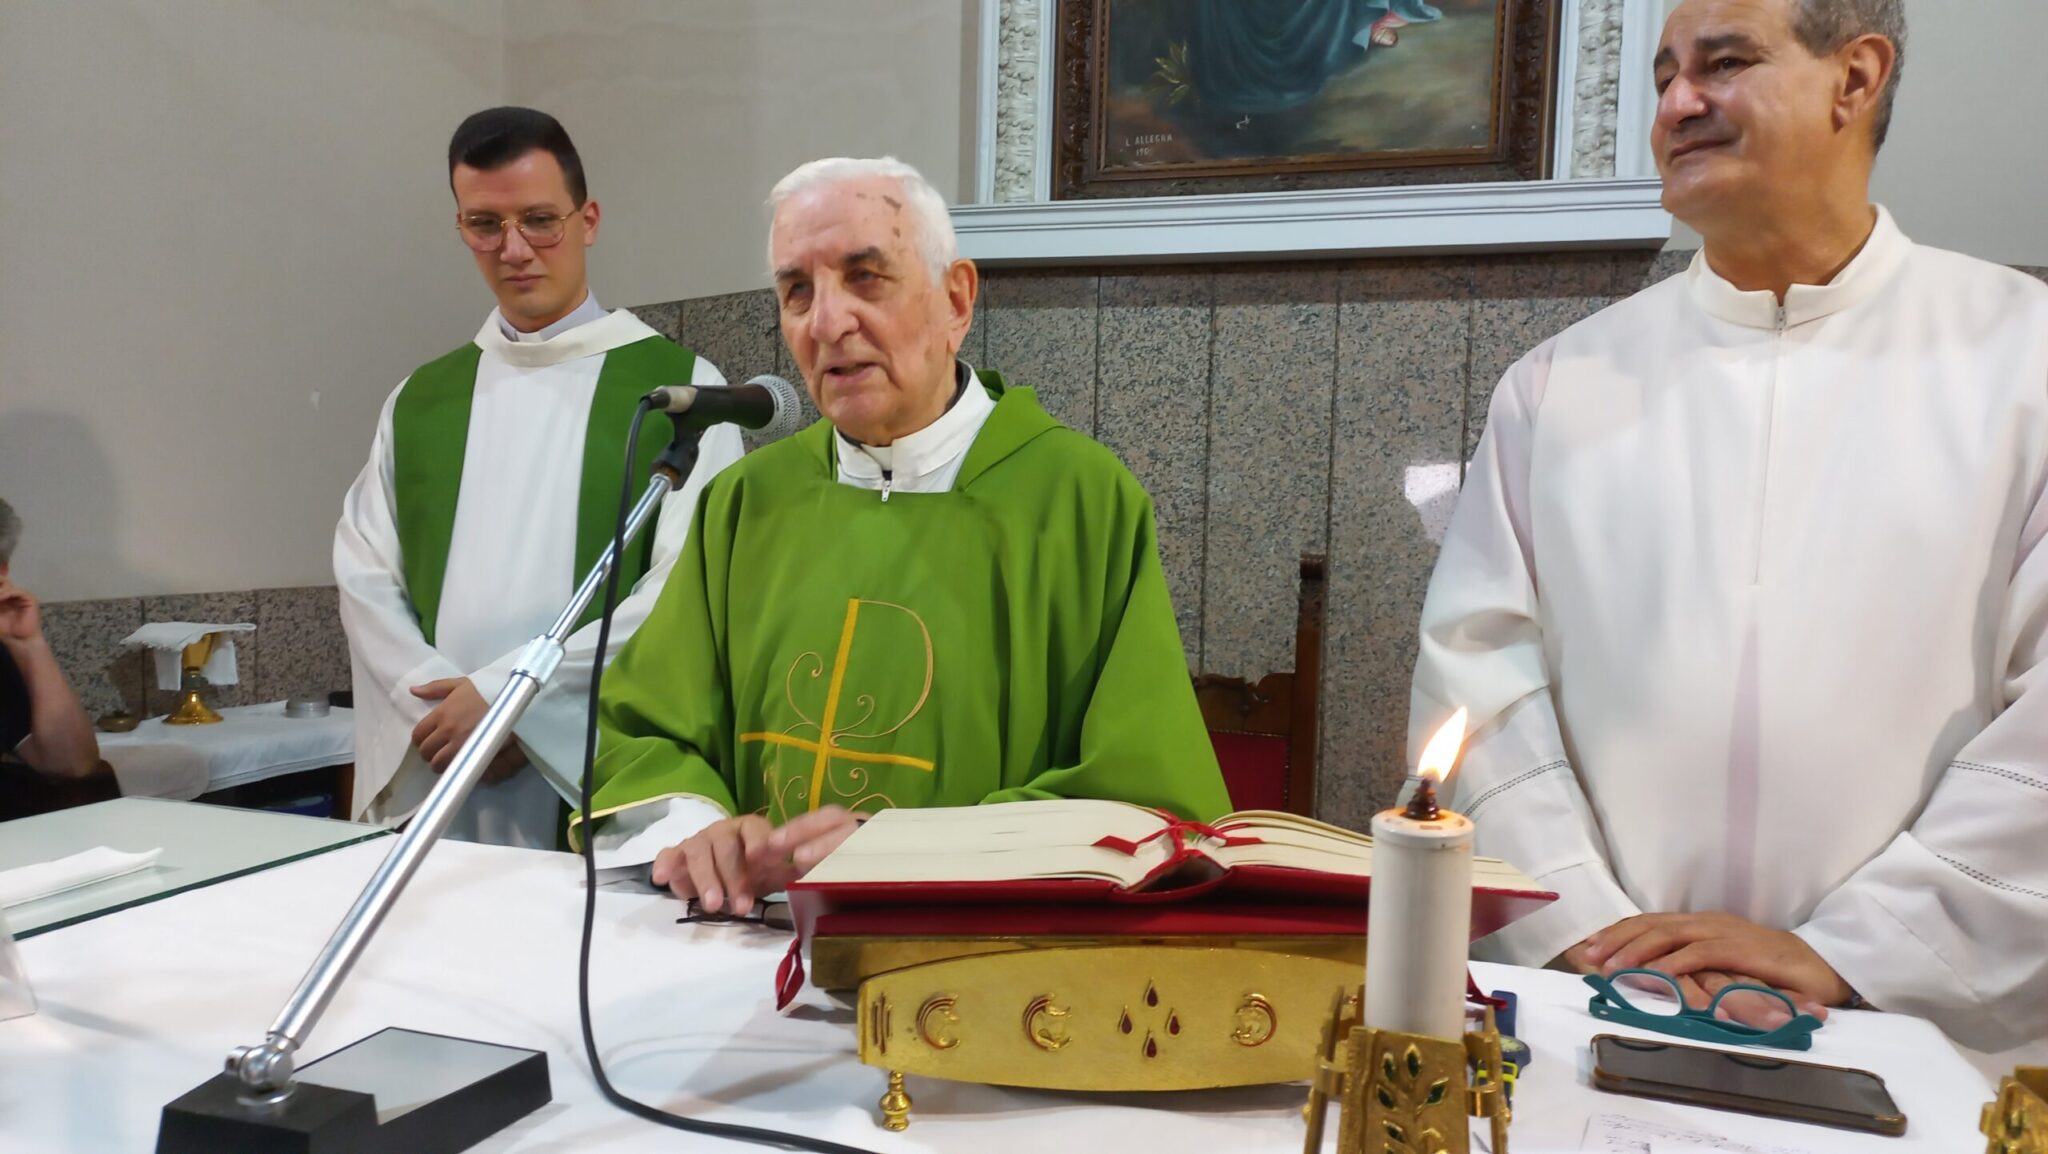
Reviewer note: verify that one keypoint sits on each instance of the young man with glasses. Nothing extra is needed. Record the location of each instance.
(492, 486)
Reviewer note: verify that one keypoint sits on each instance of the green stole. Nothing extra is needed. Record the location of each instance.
(430, 433)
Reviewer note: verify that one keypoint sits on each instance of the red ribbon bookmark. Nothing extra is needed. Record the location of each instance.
(1178, 829)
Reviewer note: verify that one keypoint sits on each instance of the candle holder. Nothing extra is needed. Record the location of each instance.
(1400, 1093)
(2017, 1123)
(192, 708)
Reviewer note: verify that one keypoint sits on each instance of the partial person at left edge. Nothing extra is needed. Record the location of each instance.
(42, 725)
(492, 487)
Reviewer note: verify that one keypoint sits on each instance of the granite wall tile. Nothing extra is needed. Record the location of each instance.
(736, 331)
(1152, 409)
(1519, 276)
(741, 334)
(974, 347)
(1502, 333)
(212, 608)
(1398, 430)
(1041, 333)
(86, 637)
(1446, 278)
(304, 649)
(664, 318)
(1521, 301)
(1637, 270)
(1274, 364)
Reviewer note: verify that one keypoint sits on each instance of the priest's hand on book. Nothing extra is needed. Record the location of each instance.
(731, 863)
(1713, 949)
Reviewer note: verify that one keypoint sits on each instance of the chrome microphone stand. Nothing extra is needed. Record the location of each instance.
(259, 1077)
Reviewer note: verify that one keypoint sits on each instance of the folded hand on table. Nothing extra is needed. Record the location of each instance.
(1708, 951)
(733, 862)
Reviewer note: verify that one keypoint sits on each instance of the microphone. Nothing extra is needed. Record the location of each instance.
(766, 404)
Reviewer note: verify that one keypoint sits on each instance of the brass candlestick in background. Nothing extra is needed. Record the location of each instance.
(192, 708)
(191, 657)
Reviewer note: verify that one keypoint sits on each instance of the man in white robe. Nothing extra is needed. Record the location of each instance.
(1747, 590)
(492, 483)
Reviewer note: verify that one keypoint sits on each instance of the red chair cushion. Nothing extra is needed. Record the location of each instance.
(1254, 768)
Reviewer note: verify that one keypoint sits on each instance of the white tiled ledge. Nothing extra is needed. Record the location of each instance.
(1328, 223)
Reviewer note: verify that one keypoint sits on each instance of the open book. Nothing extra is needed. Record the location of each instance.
(1080, 852)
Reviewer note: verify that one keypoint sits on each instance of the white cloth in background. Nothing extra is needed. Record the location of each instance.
(30, 882)
(167, 641)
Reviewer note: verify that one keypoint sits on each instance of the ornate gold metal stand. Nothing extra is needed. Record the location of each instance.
(2017, 1123)
(1404, 1093)
(193, 710)
(1100, 1017)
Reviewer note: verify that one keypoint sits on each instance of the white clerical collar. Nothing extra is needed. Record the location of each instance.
(585, 336)
(581, 315)
(1864, 276)
(928, 450)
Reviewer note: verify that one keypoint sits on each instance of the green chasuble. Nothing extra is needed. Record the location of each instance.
(1007, 640)
(430, 435)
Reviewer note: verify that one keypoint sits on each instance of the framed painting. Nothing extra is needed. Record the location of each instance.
(1177, 97)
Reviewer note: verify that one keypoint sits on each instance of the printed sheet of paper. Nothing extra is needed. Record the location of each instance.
(1621, 1134)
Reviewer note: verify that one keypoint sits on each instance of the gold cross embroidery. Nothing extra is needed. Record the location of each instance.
(826, 749)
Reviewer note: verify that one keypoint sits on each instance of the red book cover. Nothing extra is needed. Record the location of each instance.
(1249, 900)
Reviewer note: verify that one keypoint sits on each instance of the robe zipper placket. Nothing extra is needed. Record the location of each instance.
(1772, 402)
(888, 482)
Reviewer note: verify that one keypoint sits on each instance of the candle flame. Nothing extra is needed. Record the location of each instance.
(1442, 751)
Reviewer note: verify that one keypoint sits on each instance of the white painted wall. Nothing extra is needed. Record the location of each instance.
(688, 111)
(1966, 165)
(225, 235)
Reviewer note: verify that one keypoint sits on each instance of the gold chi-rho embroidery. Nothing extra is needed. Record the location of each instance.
(821, 737)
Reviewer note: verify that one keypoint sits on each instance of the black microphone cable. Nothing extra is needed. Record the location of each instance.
(750, 1134)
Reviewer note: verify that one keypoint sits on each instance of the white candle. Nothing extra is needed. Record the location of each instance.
(1418, 928)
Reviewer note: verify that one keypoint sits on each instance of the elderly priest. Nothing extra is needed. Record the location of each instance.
(1748, 587)
(936, 596)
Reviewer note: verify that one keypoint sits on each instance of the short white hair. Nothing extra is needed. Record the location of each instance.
(933, 224)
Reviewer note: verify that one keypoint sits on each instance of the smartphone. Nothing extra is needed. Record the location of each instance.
(1749, 1082)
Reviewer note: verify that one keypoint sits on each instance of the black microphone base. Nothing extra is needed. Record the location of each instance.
(395, 1092)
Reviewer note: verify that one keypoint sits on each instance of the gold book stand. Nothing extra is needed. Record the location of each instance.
(1180, 1013)
(1177, 1013)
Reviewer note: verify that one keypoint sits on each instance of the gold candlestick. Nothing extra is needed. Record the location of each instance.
(1401, 1093)
(192, 709)
(2017, 1123)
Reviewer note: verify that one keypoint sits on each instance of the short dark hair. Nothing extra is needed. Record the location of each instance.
(496, 137)
(1823, 26)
